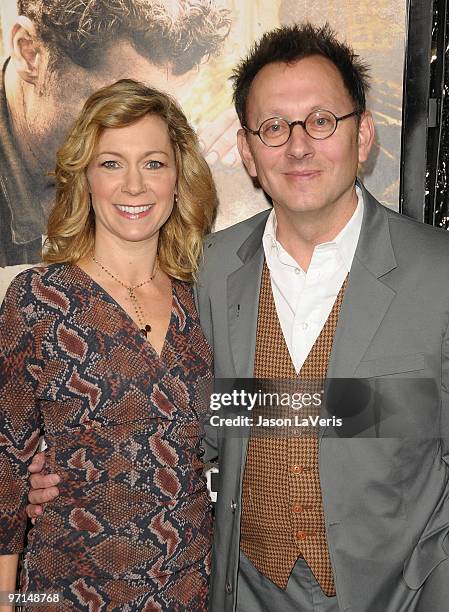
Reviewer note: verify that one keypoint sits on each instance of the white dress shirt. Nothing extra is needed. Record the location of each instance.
(304, 299)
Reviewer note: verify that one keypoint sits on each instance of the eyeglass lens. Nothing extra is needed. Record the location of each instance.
(318, 124)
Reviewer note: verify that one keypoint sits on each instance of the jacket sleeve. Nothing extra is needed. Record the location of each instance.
(19, 415)
(210, 441)
(433, 545)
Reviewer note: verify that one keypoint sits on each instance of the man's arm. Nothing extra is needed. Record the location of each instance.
(444, 417)
(431, 548)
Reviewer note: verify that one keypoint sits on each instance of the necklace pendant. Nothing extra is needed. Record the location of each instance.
(146, 330)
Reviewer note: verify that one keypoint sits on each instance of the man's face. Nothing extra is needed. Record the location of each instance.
(53, 103)
(304, 175)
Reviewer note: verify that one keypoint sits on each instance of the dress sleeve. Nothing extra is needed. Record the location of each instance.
(19, 415)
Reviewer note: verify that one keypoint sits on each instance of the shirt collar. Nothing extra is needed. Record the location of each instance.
(269, 239)
(348, 238)
(345, 242)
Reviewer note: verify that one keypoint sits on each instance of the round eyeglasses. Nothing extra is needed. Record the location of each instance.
(319, 124)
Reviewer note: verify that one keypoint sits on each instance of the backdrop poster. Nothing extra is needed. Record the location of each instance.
(53, 58)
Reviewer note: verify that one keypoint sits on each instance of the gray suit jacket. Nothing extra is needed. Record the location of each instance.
(385, 499)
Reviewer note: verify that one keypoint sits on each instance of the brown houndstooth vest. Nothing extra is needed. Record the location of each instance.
(282, 511)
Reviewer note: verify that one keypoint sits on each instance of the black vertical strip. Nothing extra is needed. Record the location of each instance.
(441, 192)
(415, 109)
(436, 106)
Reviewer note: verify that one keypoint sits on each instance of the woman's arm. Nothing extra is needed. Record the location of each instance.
(8, 574)
(20, 421)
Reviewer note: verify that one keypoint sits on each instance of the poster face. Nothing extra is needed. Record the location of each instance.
(54, 59)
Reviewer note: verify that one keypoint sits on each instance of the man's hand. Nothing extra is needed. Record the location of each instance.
(43, 487)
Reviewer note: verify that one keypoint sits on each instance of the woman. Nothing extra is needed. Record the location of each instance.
(102, 352)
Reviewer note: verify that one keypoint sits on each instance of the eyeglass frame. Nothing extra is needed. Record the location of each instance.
(291, 125)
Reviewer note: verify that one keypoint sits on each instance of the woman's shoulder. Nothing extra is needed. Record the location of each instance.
(183, 290)
(184, 297)
(39, 271)
(41, 281)
(47, 274)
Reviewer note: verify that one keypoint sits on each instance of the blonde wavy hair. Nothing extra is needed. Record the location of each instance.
(71, 224)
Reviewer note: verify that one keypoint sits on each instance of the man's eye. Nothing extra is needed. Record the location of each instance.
(154, 164)
(273, 129)
(321, 122)
(109, 163)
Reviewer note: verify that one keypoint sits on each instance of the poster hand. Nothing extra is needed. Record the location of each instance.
(219, 141)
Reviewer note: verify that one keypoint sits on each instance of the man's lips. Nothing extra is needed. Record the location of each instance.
(302, 174)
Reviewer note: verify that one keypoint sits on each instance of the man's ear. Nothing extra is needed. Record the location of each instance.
(25, 51)
(366, 135)
(245, 153)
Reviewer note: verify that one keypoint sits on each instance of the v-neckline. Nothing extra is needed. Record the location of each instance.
(106, 294)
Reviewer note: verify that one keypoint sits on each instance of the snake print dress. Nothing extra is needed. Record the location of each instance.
(131, 527)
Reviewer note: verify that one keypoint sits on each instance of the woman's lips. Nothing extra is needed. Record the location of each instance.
(133, 212)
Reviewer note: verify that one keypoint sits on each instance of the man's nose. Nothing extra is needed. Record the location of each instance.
(300, 144)
(134, 182)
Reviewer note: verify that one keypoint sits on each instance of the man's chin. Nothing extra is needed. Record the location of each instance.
(302, 206)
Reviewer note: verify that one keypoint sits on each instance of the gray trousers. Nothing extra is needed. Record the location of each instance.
(255, 593)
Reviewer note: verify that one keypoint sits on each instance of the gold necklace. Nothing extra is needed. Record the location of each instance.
(145, 328)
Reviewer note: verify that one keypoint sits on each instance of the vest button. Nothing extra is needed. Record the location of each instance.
(233, 505)
(297, 508)
(228, 588)
(301, 535)
(296, 469)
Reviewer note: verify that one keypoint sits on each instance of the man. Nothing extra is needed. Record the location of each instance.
(329, 283)
(58, 58)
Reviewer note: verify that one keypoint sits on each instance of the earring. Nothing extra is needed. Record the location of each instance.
(176, 199)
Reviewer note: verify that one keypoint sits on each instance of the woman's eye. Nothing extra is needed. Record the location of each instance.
(153, 164)
(109, 163)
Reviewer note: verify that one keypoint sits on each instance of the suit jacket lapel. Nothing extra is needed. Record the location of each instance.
(243, 286)
(364, 305)
(366, 300)
(367, 297)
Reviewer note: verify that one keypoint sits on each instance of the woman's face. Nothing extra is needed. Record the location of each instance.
(132, 180)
